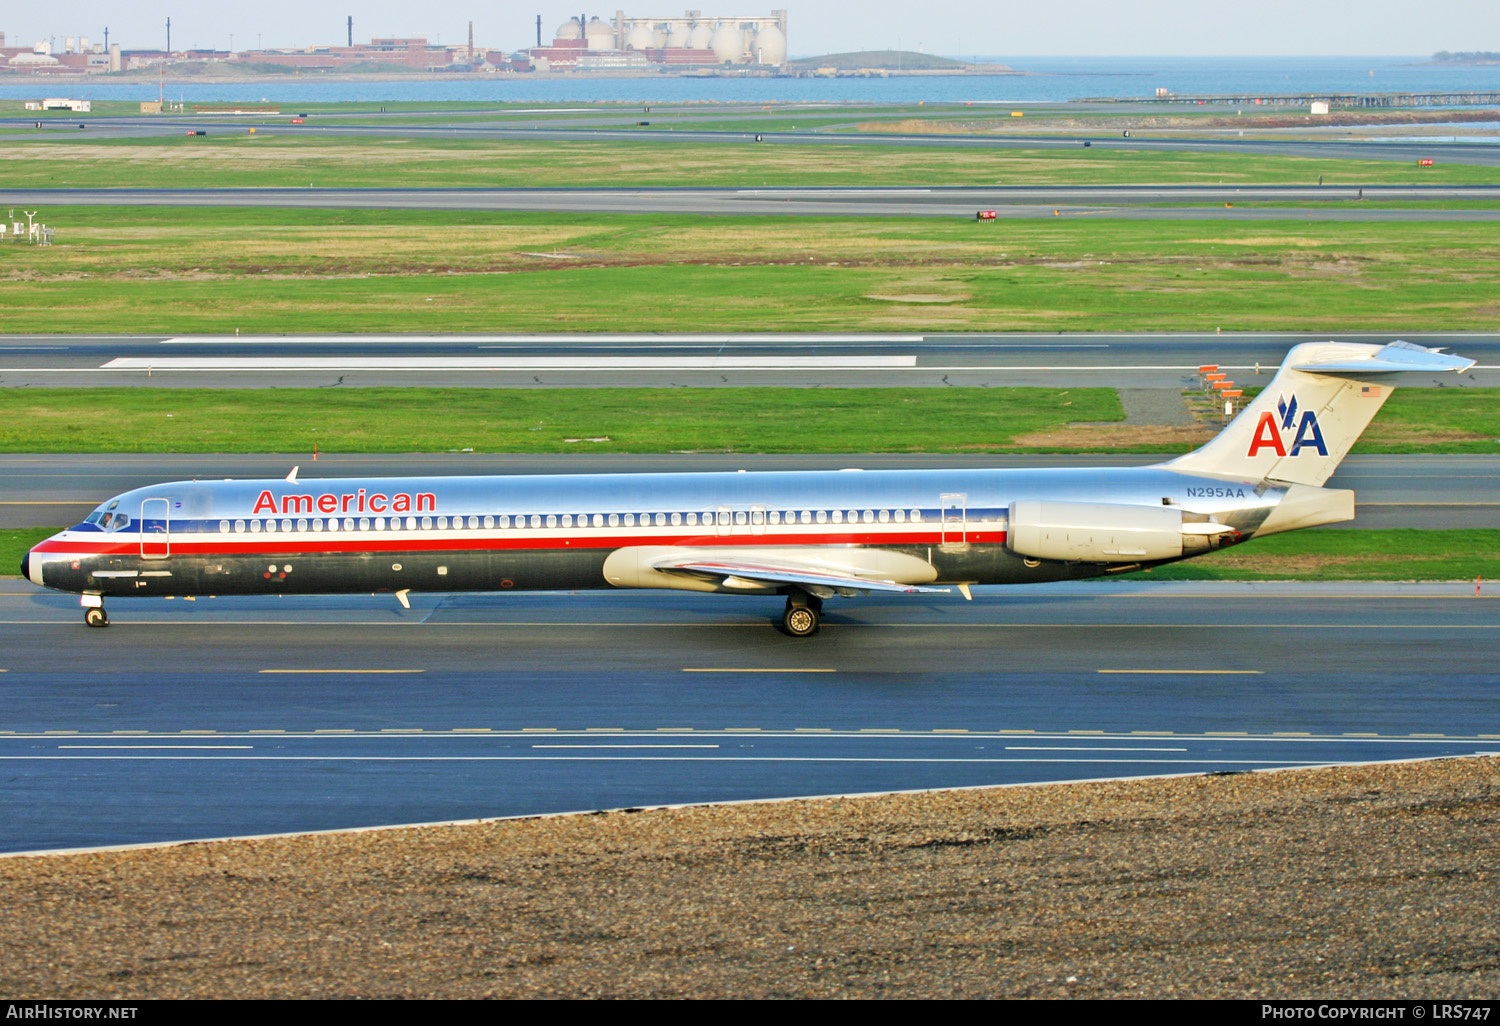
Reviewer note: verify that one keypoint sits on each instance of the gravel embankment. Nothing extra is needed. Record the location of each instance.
(1379, 881)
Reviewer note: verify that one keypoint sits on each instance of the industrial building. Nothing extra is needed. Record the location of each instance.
(633, 41)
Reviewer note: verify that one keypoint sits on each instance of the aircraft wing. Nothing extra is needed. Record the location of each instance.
(759, 573)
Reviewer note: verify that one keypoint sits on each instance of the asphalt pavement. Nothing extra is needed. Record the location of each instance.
(246, 716)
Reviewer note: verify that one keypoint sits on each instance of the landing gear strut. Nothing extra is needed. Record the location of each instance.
(802, 614)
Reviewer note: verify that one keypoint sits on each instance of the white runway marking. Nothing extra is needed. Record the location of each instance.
(175, 748)
(521, 340)
(597, 747)
(511, 363)
(660, 758)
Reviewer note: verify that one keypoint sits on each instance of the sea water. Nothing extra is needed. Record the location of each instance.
(1043, 79)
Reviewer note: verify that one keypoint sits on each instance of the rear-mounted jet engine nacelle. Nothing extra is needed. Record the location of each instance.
(1097, 532)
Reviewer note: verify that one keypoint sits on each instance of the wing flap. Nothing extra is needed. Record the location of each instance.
(737, 573)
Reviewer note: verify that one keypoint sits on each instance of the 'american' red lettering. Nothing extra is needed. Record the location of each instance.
(401, 502)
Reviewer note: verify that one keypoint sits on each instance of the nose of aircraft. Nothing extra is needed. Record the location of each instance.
(26, 566)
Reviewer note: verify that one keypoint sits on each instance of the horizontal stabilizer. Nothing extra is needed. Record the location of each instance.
(1396, 358)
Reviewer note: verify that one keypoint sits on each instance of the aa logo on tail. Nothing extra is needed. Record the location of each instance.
(1270, 434)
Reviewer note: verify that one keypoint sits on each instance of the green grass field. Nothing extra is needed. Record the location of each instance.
(233, 157)
(656, 420)
(215, 270)
(538, 420)
(1346, 554)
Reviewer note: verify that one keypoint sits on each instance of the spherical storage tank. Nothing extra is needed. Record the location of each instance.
(770, 45)
(702, 36)
(727, 43)
(677, 37)
(640, 37)
(599, 35)
(570, 29)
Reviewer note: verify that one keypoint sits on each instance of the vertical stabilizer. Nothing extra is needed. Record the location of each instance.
(1311, 414)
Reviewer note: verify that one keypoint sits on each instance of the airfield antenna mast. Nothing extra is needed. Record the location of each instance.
(169, 37)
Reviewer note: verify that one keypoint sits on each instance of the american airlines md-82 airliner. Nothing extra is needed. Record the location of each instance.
(805, 535)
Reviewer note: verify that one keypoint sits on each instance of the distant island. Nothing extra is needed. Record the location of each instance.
(1467, 57)
(889, 61)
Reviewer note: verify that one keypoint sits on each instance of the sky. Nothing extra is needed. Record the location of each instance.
(952, 27)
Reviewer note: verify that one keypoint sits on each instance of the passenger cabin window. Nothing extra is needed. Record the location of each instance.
(223, 527)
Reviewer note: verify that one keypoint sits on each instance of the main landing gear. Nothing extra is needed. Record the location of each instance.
(93, 610)
(802, 615)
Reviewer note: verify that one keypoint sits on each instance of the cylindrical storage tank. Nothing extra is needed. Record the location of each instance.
(599, 36)
(726, 44)
(640, 37)
(701, 37)
(569, 29)
(770, 45)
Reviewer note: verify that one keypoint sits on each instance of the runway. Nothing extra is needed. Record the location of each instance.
(1431, 492)
(1105, 359)
(671, 123)
(231, 717)
(1167, 202)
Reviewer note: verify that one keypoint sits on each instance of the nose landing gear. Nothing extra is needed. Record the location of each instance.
(802, 615)
(93, 610)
